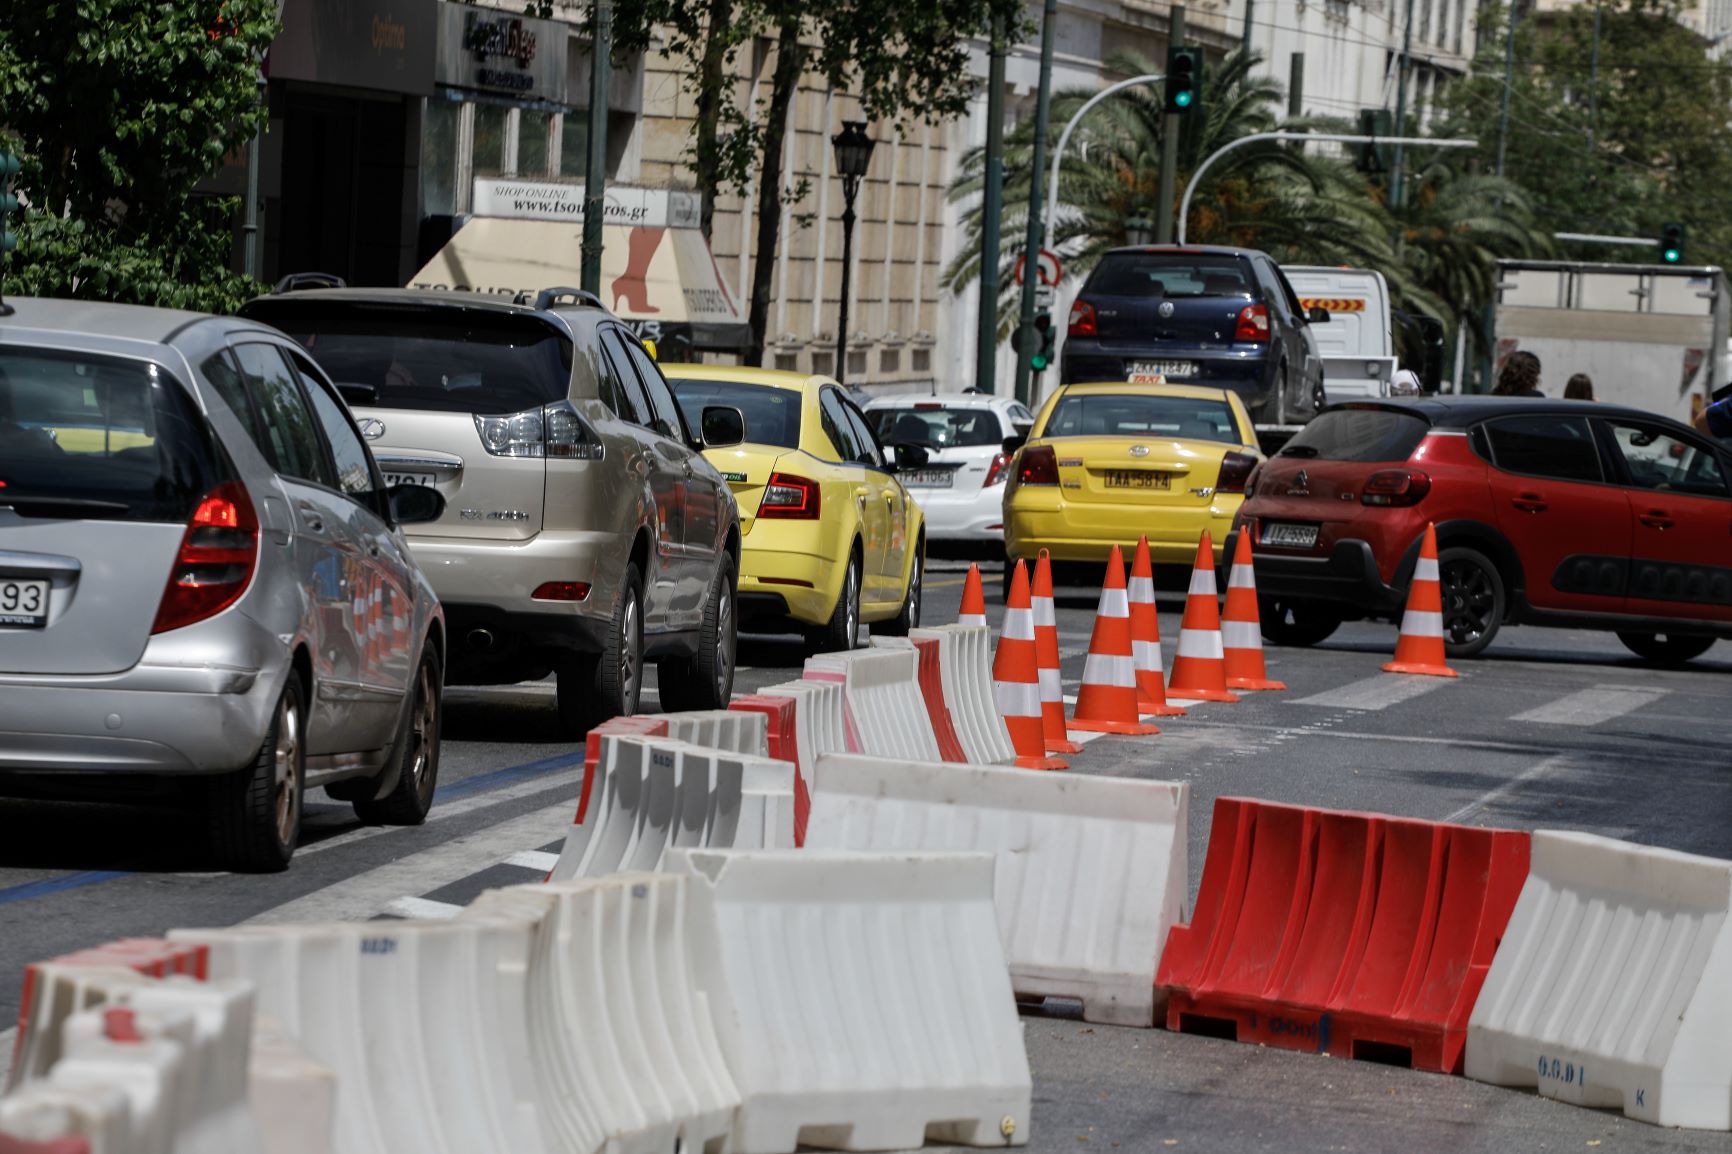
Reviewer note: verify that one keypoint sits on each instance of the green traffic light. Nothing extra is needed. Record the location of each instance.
(1037, 362)
(1182, 99)
(1672, 256)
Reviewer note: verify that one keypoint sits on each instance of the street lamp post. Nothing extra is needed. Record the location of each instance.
(853, 157)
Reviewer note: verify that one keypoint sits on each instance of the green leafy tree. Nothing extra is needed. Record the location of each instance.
(120, 108)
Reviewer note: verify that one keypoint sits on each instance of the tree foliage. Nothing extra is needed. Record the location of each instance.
(120, 108)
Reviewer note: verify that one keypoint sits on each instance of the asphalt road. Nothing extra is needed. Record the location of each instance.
(1550, 729)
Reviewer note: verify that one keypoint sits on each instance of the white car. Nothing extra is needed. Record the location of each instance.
(961, 486)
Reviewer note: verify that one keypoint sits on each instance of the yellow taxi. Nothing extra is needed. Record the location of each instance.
(1106, 463)
(830, 538)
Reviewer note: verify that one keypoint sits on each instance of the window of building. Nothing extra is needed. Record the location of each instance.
(890, 361)
(824, 364)
(857, 363)
(574, 143)
(920, 361)
(532, 130)
(439, 157)
(487, 157)
(788, 362)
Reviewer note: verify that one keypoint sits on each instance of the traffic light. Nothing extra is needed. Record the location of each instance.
(1372, 154)
(1672, 242)
(9, 166)
(1184, 78)
(1040, 356)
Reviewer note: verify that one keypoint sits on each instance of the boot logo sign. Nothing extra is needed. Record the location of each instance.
(1301, 486)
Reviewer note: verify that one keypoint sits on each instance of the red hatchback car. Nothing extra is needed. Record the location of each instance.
(1564, 513)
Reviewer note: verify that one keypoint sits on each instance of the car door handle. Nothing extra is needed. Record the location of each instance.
(314, 519)
(1656, 519)
(1529, 502)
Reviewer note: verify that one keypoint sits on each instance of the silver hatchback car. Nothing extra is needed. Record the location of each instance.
(202, 577)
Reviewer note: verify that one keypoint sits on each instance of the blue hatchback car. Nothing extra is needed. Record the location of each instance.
(1200, 315)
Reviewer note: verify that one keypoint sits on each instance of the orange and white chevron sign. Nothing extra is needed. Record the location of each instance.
(1334, 304)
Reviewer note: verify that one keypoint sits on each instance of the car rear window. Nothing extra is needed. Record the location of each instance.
(445, 360)
(1359, 435)
(1192, 274)
(101, 438)
(1130, 415)
(936, 427)
(772, 414)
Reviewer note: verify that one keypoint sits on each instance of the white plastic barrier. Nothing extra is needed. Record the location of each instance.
(655, 792)
(54, 991)
(965, 666)
(293, 1094)
(820, 721)
(40, 1111)
(1613, 984)
(881, 688)
(621, 1040)
(1091, 871)
(721, 729)
(861, 999)
(422, 1022)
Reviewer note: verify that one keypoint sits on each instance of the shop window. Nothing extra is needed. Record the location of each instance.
(574, 144)
(532, 130)
(439, 157)
(488, 156)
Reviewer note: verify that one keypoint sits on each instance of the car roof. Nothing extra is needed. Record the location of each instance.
(97, 319)
(434, 298)
(747, 375)
(1458, 412)
(1208, 249)
(1133, 388)
(948, 400)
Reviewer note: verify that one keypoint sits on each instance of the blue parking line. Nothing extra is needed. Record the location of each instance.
(48, 886)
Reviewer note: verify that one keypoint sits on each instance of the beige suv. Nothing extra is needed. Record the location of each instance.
(584, 532)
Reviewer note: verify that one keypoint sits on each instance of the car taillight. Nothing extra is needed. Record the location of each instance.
(997, 471)
(790, 497)
(1236, 470)
(1039, 466)
(1253, 323)
(218, 553)
(1395, 487)
(561, 591)
(1082, 320)
(1251, 481)
(551, 431)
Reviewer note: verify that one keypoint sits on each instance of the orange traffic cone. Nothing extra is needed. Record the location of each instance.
(1419, 649)
(1146, 638)
(1241, 627)
(1199, 669)
(1046, 657)
(1107, 701)
(1016, 679)
(973, 599)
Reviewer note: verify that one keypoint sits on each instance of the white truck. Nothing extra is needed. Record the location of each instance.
(1652, 337)
(1357, 343)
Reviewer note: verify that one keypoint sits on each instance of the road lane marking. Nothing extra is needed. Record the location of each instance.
(1592, 706)
(1373, 693)
(448, 811)
(533, 859)
(422, 908)
(1533, 773)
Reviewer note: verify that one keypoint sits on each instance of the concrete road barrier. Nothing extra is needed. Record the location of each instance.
(881, 689)
(861, 1000)
(1613, 985)
(965, 671)
(1090, 872)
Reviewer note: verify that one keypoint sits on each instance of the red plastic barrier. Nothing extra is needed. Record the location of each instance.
(637, 724)
(10, 1145)
(1351, 934)
(784, 746)
(932, 688)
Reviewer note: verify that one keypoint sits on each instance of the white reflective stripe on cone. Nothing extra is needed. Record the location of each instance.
(1241, 635)
(1018, 625)
(1051, 687)
(1201, 643)
(1422, 623)
(1043, 613)
(1016, 698)
(1241, 577)
(971, 619)
(1109, 669)
(1114, 603)
(1147, 655)
(1426, 570)
(1202, 583)
(1142, 590)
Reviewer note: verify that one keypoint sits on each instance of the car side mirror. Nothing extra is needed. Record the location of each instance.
(723, 425)
(1015, 442)
(415, 504)
(355, 393)
(1317, 315)
(910, 456)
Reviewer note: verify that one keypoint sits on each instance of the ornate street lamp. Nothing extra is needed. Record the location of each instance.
(1139, 229)
(853, 157)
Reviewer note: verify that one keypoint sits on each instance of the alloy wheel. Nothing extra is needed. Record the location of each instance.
(424, 726)
(629, 663)
(724, 640)
(1469, 600)
(286, 760)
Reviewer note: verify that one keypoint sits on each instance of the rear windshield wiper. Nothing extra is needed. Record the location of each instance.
(1298, 451)
(49, 506)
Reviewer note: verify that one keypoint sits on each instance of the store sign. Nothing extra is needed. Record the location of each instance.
(551, 200)
(376, 44)
(486, 50)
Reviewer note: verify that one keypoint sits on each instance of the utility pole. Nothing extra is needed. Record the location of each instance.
(1031, 248)
(595, 174)
(1594, 83)
(1396, 176)
(986, 333)
(1245, 35)
(1169, 144)
(1296, 85)
(1508, 80)
(250, 211)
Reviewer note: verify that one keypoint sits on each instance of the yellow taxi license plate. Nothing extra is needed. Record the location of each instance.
(1137, 479)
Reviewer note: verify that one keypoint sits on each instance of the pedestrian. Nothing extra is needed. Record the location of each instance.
(1716, 419)
(1579, 388)
(1519, 377)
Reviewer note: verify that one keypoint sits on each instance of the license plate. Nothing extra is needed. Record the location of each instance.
(1167, 369)
(930, 478)
(23, 603)
(1138, 479)
(1296, 536)
(394, 479)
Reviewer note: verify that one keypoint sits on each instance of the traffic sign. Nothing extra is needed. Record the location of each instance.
(1049, 269)
(1043, 295)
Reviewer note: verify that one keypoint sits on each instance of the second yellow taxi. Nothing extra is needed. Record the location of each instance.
(830, 538)
(1106, 463)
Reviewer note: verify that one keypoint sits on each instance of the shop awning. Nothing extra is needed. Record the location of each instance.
(662, 281)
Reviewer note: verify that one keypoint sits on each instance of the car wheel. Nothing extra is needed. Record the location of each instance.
(619, 672)
(705, 681)
(1297, 624)
(842, 631)
(255, 812)
(909, 616)
(1666, 648)
(1473, 601)
(414, 755)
